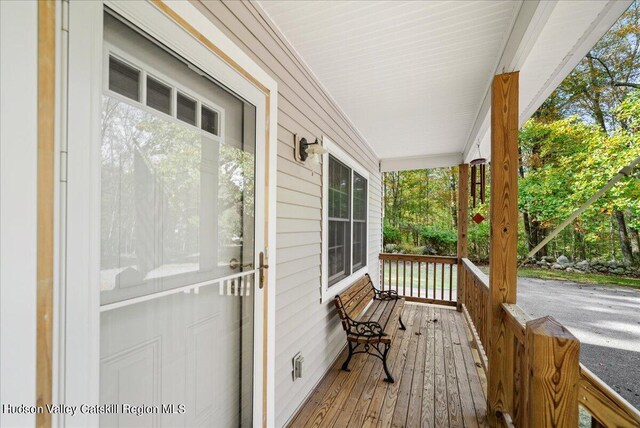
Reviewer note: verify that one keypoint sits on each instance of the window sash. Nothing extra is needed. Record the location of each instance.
(347, 221)
(339, 250)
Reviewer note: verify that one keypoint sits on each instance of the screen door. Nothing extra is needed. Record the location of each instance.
(177, 240)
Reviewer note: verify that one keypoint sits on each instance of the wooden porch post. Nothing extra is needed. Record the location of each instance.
(553, 372)
(504, 235)
(463, 225)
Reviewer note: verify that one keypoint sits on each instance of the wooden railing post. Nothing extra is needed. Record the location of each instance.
(553, 371)
(463, 225)
(504, 235)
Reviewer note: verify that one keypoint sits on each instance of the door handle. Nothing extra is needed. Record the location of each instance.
(262, 268)
(235, 264)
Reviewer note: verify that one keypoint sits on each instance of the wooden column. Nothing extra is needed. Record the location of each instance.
(504, 235)
(553, 370)
(463, 226)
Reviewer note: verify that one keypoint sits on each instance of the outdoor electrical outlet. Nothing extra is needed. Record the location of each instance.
(297, 361)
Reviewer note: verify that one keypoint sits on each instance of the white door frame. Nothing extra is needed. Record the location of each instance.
(182, 28)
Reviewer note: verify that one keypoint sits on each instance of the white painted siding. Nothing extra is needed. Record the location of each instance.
(303, 324)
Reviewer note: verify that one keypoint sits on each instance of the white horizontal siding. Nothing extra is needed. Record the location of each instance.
(303, 324)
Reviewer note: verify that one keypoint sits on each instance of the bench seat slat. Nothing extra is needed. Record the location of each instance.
(392, 320)
(387, 315)
(355, 302)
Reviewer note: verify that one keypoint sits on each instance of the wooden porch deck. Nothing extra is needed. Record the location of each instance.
(438, 382)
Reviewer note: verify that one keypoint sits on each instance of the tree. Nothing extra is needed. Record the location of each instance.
(594, 90)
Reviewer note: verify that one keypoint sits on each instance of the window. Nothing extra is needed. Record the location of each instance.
(158, 95)
(134, 81)
(186, 109)
(123, 79)
(209, 120)
(347, 220)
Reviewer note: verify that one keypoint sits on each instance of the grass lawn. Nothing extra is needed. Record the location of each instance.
(581, 278)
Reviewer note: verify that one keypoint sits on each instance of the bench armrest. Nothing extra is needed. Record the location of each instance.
(385, 294)
(365, 328)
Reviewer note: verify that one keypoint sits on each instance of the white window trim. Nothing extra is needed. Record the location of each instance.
(327, 294)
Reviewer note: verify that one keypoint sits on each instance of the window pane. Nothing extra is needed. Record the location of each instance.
(339, 189)
(359, 244)
(186, 109)
(209, 120)
(359, 221)
(158, 95)
(359, 197)
(123, 79)
(338, 251)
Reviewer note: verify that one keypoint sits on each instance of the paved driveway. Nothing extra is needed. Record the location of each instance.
(605, 319)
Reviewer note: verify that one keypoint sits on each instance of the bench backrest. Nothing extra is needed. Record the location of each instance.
(354, 300)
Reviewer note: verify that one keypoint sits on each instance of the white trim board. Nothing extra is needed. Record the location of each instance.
(78, 329)
(420, 162)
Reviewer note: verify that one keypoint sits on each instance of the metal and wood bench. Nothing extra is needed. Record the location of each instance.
(370, 332)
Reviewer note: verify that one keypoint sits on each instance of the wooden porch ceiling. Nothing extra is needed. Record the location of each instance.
(438, 380)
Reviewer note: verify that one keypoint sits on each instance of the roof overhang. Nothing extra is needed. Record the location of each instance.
(550, 39)
(414, 78)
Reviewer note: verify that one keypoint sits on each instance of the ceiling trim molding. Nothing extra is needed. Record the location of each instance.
(529, 23)
(420, 162)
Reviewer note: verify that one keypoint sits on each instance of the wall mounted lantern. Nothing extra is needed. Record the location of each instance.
(305, 150)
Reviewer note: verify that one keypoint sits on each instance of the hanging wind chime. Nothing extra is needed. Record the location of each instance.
(478, 182)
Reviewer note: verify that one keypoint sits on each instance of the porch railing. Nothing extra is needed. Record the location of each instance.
(428, 279)
(475, 287)
(521, 388)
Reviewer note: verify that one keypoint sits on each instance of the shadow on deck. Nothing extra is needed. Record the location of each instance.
(439, 382)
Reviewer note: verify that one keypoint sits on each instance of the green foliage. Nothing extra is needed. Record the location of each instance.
(405, 248)
(567, 161)
(478, 235)
(391, 234)
(442, 241)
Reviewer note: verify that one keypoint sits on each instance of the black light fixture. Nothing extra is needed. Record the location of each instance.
(305, 150)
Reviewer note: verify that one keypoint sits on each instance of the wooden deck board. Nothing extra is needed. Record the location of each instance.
(406, 379)
(441, 398)
(437, 381)
(417, 384)
(474, 372)
(427, 419)
(390, 399)
(452, 377)
(380, 390)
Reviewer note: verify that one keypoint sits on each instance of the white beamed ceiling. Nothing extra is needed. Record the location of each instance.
(413, 76)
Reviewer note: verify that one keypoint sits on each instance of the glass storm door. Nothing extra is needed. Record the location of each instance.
(178, 247)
